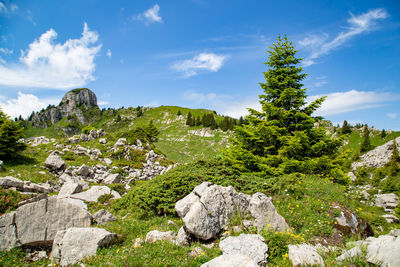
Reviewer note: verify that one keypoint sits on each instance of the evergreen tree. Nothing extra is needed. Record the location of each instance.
(189, 119)
(10, 133)
(366, 142)
(198, 121)
(346, 129)
(152, 131)
(383, 134)
(241, 121)
(282, 138)
(139, 111)
(179, 113)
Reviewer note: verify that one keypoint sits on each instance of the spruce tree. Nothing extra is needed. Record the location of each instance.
(152, 131)
(383, 134)
(10, 134)
(366, 142)
(346, 129)
(281, 138)
(189, 120)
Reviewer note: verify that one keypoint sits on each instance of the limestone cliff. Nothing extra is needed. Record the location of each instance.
(77, 104)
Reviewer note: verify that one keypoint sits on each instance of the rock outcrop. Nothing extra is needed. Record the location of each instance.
(73, 104)
(208, 208)
(24, 186)
(93, 194)
(304, 255)
(72, 245)
(37, 223)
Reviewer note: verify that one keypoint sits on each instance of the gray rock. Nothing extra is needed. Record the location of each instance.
(395, 232)
(352, 176)
(120, 142)
(69, 188)
(8, 232)
(112, 178)
(252, 246)
(183, 238)
(73, 245)
(231, 261)
(156, 235)
(103, 216)
(94, 192)
(264, 213)
(390, 218)
(384, 250)
(352, 253)
(23, 186)
(304, 255)
(108, 161)
(349, 222)
(102, 141)
(388, 201)
(9, 181)
(84, 170)
(208, 208)
(55, 163)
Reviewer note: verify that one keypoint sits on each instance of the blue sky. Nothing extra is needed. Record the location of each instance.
(200, 54)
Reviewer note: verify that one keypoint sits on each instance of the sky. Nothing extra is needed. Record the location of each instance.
(200, 54)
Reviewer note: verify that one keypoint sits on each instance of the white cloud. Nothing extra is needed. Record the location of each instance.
(102, 103)
(341, 102)
(109, 54)
(320, 45)
(24, 104)
(392, 115)
(3, 8)
(13, 7)
(6, 52)
(204, 61)
(47, 64)
(151, 15)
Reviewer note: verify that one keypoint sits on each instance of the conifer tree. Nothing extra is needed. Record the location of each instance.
(10, 134)
(189, 120)
(366, 142)
(383, 134)
(198, 121)
(346, 129)
(281, 138)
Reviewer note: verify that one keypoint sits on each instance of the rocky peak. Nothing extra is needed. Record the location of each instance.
(79, 97)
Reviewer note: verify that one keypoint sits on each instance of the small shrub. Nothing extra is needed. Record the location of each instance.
(87, 129)
(104, 198)
(9, 200)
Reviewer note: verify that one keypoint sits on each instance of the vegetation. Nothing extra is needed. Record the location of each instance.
(10, 134)
(282, 137)
(366, 142)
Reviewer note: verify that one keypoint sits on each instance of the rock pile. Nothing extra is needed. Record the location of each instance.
(24, 186)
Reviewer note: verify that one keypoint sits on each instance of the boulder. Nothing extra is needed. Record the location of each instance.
(72, 245)
(9, 181)
(84, 170)
(304, 255)
(37, 223)
(112, 178)
(103, 216)
(264, 212)
(208, 208)
(349, 222)
(352, 176)
(395, 232)
(156, 235)
(231, 261)
(390, 218)
(23, 186)
(8, 232)
(383, 250)
(352, 253)
(388, 201)
(68, 189)
(252, 246)
(55, 163)
(94, 192)
(183, 238)
(102, 141)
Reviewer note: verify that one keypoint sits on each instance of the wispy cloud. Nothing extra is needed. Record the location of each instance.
(392, 115)
(151, 15)
(46, 64)
(204, 61)
(341, 102)
(8, 8)
(6, 52)
(109, 53)
(320, 45)
(24, 104)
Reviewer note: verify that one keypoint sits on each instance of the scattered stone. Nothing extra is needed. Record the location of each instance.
(183, 238)
(23, 186)
(304, 255)
(169, 222)
(388, 201)
(72, 245)
(55, 163)
(395, 232)
(390, 218)
(252, 246)
(36, 256)
(94, 192)
(68, 189)
(156, 235)
(349, 222)
(84, 170)
(102, 141)
(103, 216)
(352, 176)
(352, 253)
(35, 141)
(112, 178)
(108, 161)
(231, 261)
(384, 250)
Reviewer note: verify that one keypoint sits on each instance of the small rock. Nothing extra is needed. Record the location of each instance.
(390, 218)
(103, 216)
(112, 178)
(395, 232)
(84, 170)
(231, 261)
(102, 141)
(68, 189)
(55, 163)
(108, 161)
(156, 235)
(304, 254)
(352, 253)
(93, 194)
(183, 238)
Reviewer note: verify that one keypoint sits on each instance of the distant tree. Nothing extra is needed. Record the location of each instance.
(366, 141)
(198, 121)
(118, 118)
(346, 129)
(383, 134)
(139, 111)
(152, 131)
(189, 119)
(10, 134)
(179, 113)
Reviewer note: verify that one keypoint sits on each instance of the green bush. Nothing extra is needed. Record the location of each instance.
(9, 200)
(10, 134)
(87, 129)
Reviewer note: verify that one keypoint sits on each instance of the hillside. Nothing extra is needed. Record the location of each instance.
(118, 179)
